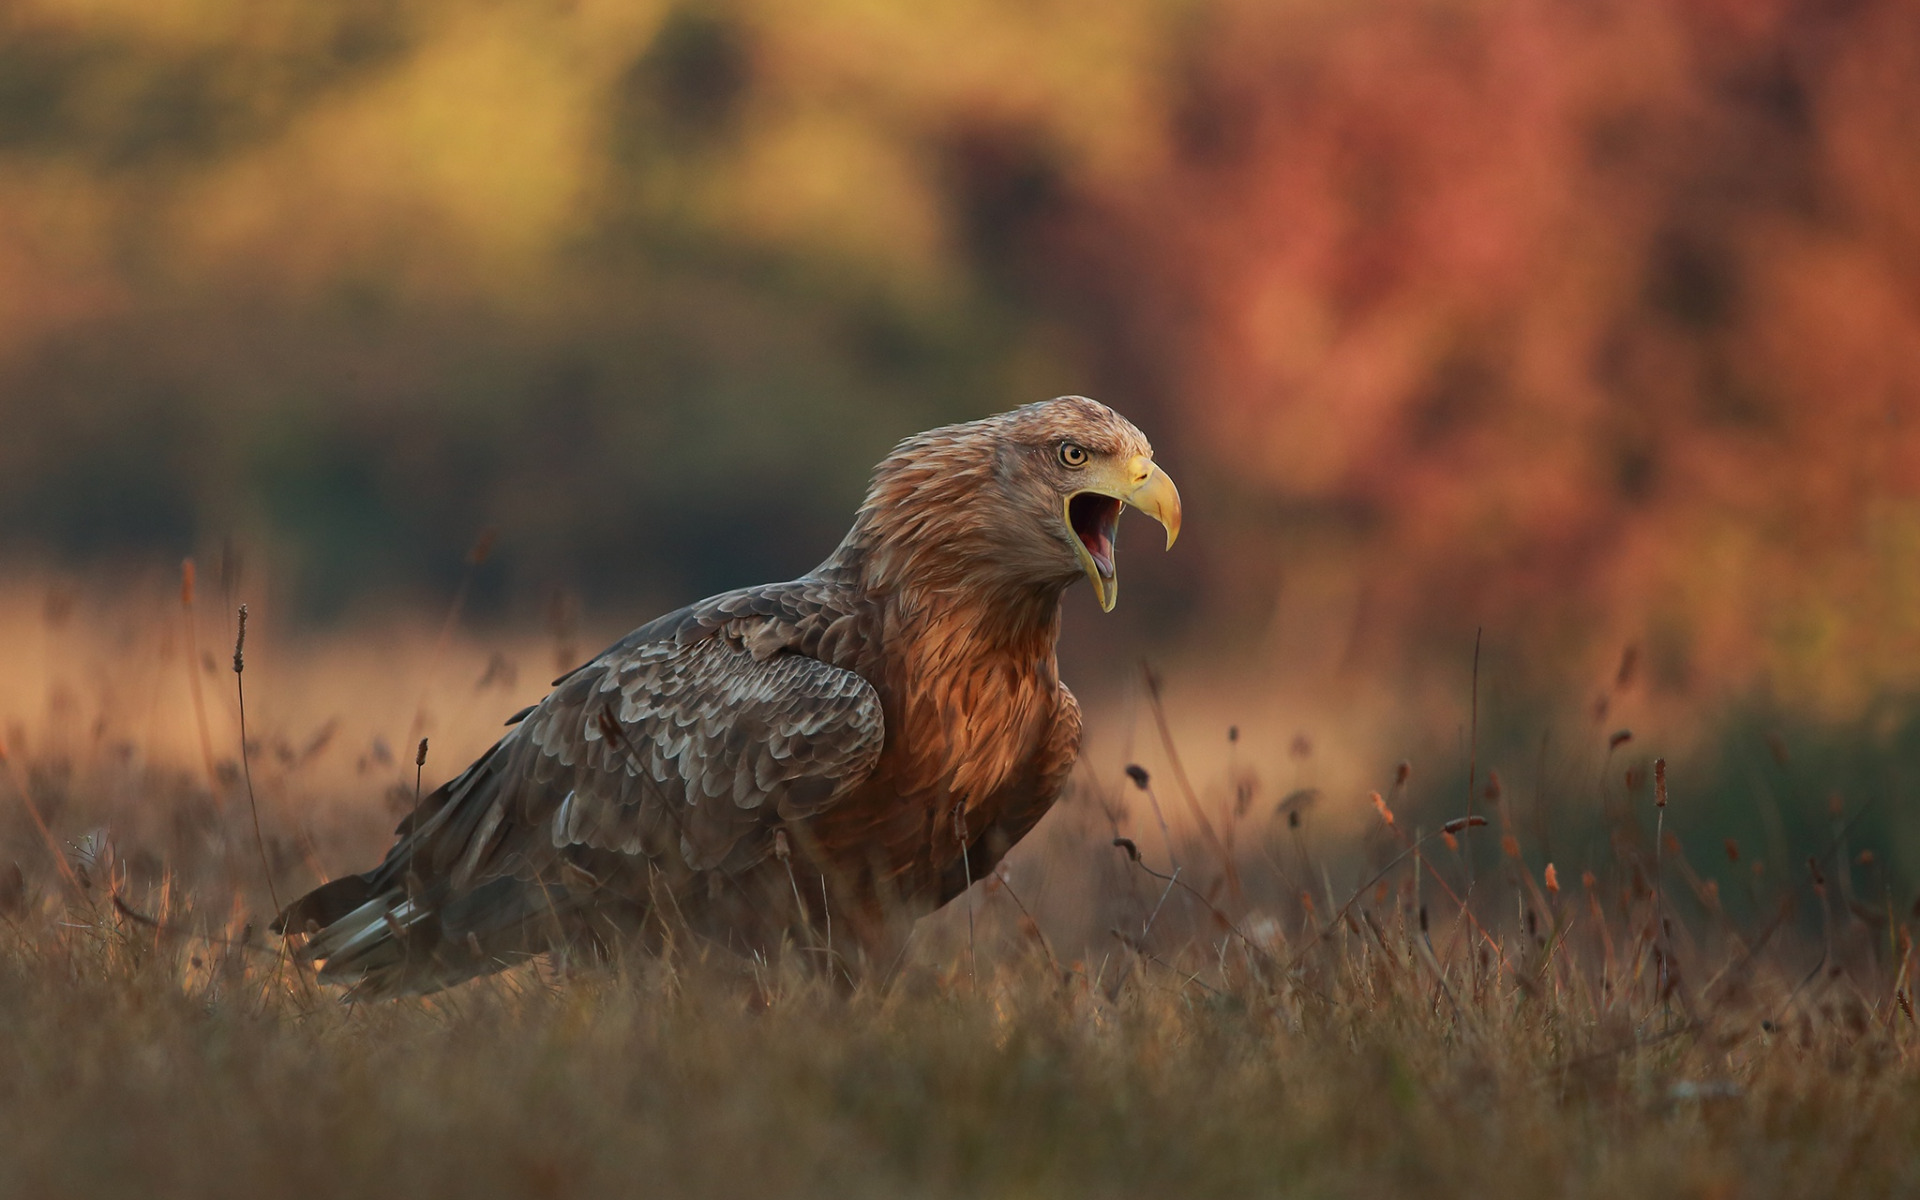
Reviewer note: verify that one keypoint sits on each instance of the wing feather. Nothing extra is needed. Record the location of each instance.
(663, 747)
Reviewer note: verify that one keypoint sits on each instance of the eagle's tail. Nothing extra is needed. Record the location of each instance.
(402, 928)
(386, 943)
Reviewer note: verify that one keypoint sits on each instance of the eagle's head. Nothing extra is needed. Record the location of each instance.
(1032, 496)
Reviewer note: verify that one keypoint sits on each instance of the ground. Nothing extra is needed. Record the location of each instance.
(1114, 1014)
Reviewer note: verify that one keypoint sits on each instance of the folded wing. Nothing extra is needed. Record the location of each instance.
(678, 755)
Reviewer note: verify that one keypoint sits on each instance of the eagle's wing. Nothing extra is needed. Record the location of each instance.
(685, 744)
(676, 751)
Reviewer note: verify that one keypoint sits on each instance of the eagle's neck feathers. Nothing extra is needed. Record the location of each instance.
(969, 676)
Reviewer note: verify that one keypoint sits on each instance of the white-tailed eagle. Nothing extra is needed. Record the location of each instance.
(854, 746)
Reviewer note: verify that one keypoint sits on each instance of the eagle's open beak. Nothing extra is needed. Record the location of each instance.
(1093, 515)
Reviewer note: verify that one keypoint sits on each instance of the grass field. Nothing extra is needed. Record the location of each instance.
(1326, 1019)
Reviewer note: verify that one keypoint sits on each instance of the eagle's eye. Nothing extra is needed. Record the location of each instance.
(1072, 455)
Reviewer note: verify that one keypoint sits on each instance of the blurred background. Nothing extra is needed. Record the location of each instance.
(1586, 333)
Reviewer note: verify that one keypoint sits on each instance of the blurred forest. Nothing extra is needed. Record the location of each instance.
(1594, 323)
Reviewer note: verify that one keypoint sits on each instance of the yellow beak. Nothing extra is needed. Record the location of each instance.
(1138, 482)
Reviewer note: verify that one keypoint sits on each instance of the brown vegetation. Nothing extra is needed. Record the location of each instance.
(1571, 320)
(1116, 1012)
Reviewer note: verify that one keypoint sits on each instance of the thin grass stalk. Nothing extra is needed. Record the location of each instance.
(1186, 789)
(246, 767)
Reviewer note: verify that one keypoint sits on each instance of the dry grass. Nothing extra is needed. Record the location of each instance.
(1329, 1021)
(189, 1067)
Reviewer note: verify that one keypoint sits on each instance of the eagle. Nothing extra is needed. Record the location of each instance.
(809, 764)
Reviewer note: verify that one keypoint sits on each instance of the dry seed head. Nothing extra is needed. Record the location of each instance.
(1733, 851)
(1493, 785)
(1620, 738)
(186, 583)
(240, 644)
(1510, 846)
(1402, 773)
(1380, 806)
(1629, 659)
(609, 726)
(420, 755)
(1453, 843)
(1138, 774)
(1587, 880)
(1659, 783)
(1552, 879)
(1458, 823)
